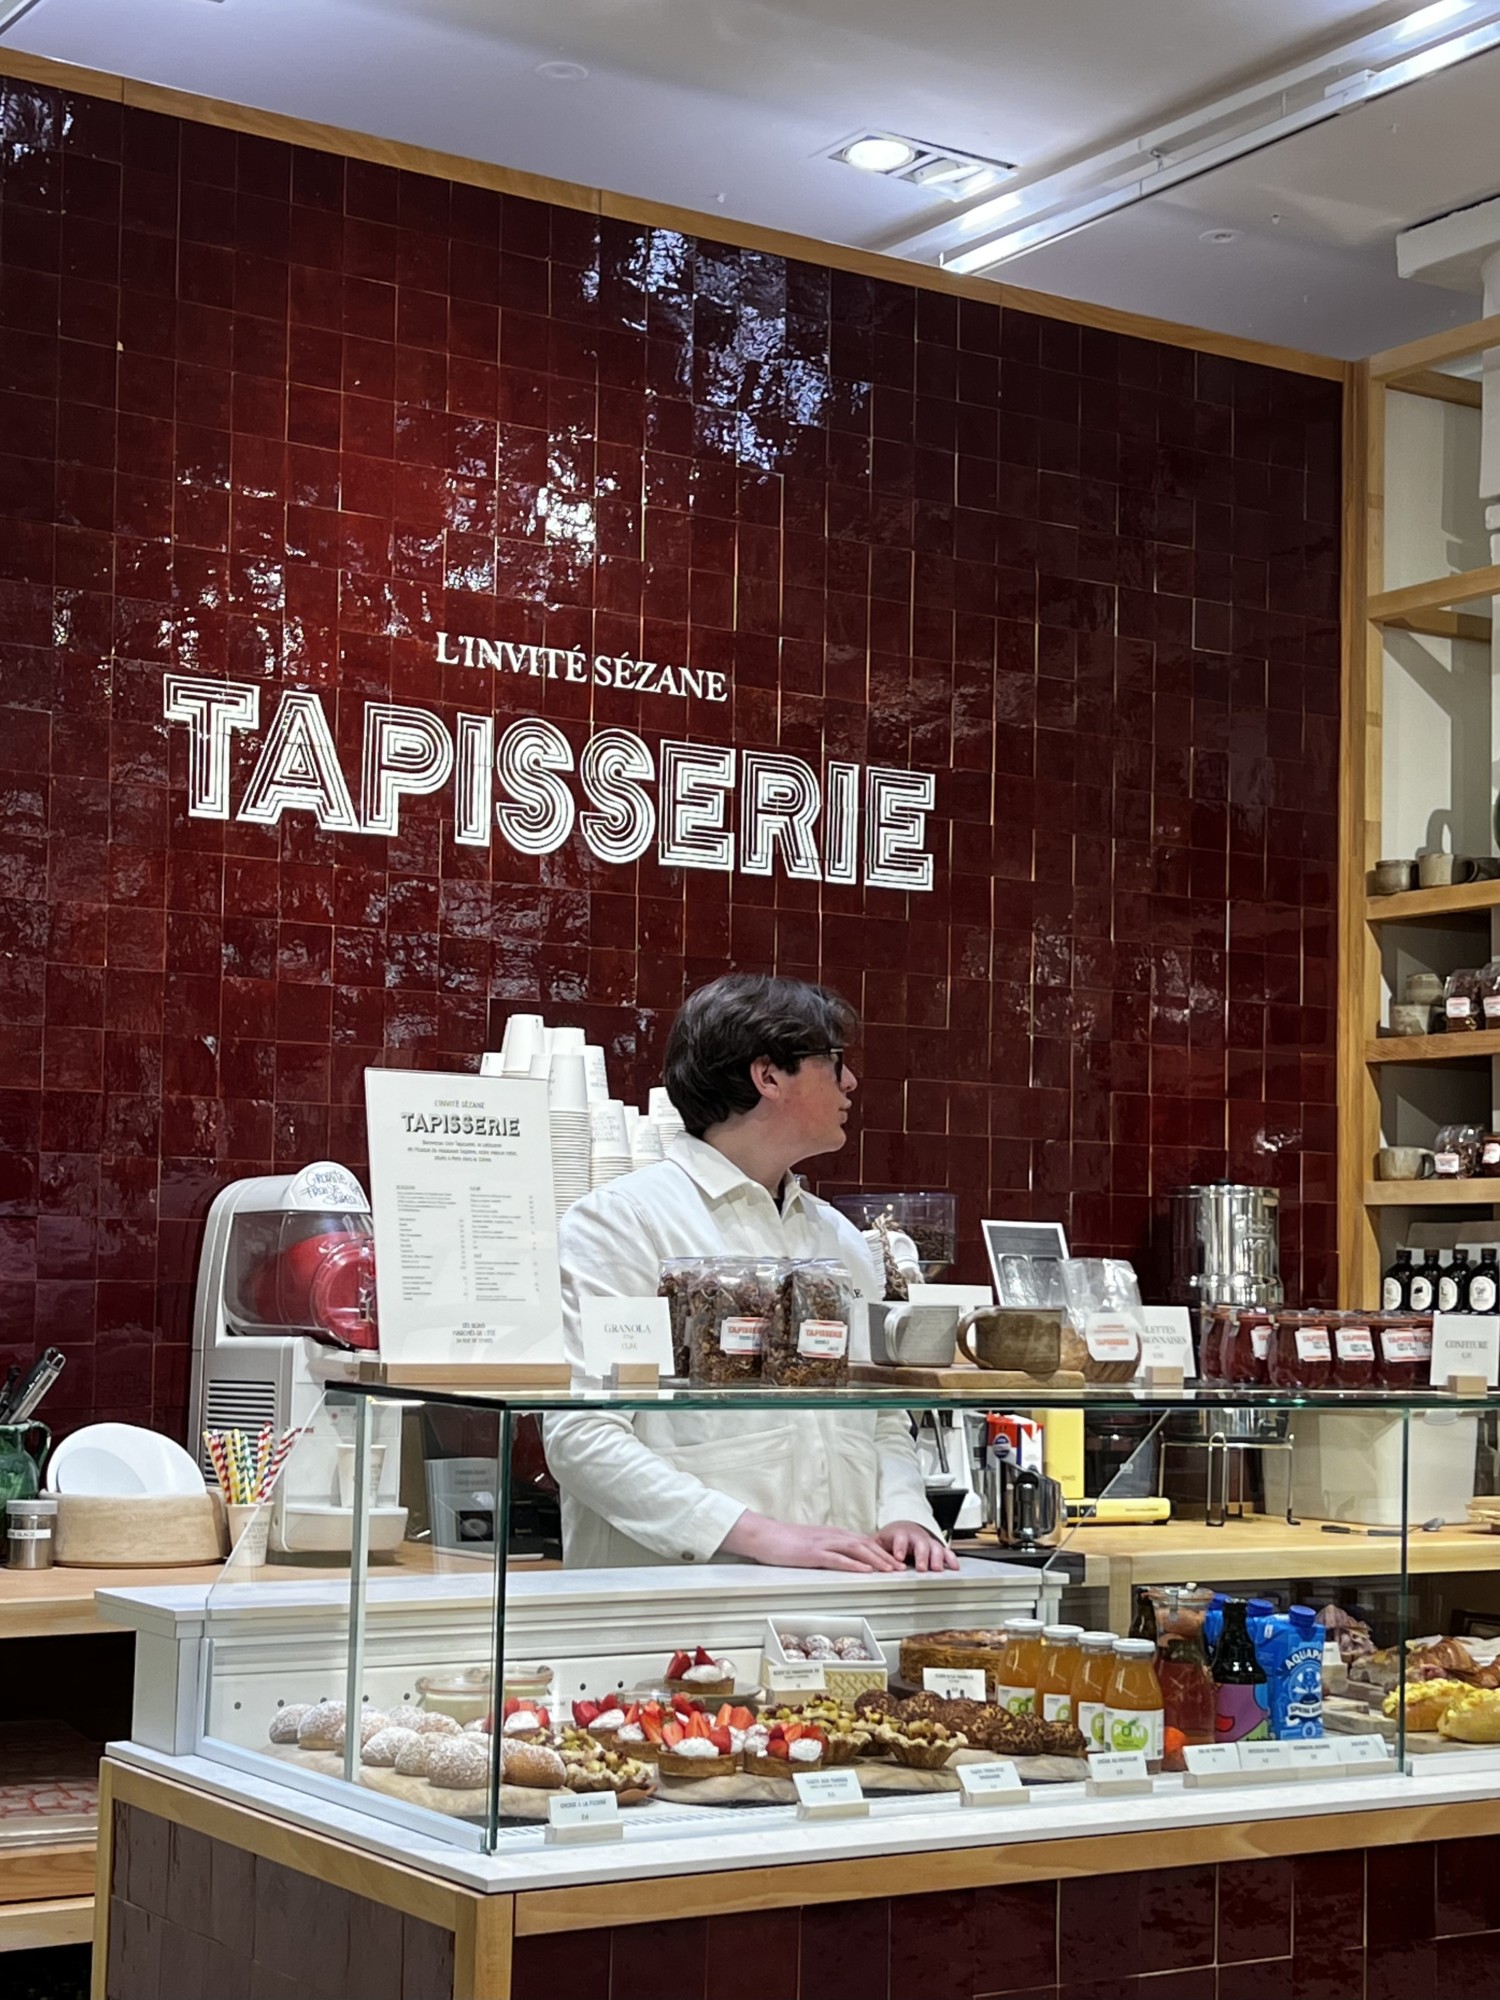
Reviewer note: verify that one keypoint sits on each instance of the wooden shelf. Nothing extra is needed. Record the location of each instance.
(1433, 1048)
(37, 1926)
(1476, 1192)
(1414, 906)
(1433, 593)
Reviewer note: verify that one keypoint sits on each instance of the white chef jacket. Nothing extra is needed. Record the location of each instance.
(653, 1487)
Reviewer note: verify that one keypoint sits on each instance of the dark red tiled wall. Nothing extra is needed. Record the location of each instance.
(276, 417)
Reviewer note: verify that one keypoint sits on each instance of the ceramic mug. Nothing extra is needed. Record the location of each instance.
(1024, 1339)
(1422, 989)
(915, 1336)
(1435, 871)
(1409, 1020)
(1389, 878)
(1404, 1163)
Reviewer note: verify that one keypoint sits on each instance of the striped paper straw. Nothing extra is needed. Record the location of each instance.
(278, 1458)
(214, 1440)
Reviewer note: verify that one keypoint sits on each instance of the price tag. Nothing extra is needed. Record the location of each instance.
(1268, 1760)
(795, 1677)
(1111, 1337)
(1465, 1344)
(1356, 1752)
(955, 1683)
(1317, 1757)
(1167, 1340)
(824, 1339)
(997, 1784)
(830, 1795)
(742, 1336)
(1213, 1763)
(583, 1816)
(616, 1330)
(1114, 1773)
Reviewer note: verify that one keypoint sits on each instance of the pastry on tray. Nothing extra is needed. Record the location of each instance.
(699, 1673)
(1474, 1717)
(523, 1721)
(602, 1718)
(1427, 1702)
(782, 1749)
(847, 1734)
(590, 1767)
(922, 1744)
(693, 1747)
(969, 1649)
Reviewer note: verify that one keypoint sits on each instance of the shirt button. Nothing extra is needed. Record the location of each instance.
(688, 1556)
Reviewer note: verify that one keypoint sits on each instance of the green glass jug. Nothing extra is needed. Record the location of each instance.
(21, 1465)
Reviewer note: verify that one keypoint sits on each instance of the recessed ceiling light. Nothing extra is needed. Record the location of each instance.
(880, 156)
(1430, 17)
(1220, 236)
(562, 72)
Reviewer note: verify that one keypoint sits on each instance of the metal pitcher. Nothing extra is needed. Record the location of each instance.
(1028, 1506)
(1226, 1245)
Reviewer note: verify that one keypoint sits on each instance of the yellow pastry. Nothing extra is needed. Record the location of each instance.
(1474, 1717)
(1427, 1702)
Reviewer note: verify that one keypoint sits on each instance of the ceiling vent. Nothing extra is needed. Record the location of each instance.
(933, 169)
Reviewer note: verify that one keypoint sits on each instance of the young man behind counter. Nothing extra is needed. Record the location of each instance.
(755, 1066)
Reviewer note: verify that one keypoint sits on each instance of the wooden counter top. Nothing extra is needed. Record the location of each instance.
(48, 1603)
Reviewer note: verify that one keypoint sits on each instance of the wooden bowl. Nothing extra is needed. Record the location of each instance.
(101, 1531)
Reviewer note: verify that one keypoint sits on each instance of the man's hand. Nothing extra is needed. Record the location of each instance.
(907, 1539)
(788, 1544)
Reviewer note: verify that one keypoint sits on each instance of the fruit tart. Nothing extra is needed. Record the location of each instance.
(922, 1744)
(693, 1747)
(523, 1721)
(789, 1747)
(699, 1673)
(591, 1767)
(602, 1719)
(846, 1732)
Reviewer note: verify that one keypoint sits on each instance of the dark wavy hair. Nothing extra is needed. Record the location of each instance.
(727, 1025)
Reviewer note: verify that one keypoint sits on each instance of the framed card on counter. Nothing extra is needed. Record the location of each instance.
(465, 1218)
(1042, 1241)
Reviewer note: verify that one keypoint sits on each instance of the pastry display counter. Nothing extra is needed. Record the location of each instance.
(524, 1771)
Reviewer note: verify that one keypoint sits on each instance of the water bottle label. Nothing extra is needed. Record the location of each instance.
(1134, 1729)
(1390, 1295)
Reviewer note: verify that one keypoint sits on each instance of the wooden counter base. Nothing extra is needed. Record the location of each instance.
(199, 1895)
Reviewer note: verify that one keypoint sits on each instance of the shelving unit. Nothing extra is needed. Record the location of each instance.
(1379, 1075)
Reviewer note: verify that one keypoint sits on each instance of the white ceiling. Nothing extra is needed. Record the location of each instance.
(730, 106)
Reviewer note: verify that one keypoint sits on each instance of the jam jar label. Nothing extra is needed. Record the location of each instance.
(742, 1336)
(1260, 1342)
(1312, 1344)
(1407, 1343)
(1354, 1343)
(1458, 1007)
(1446, 1163)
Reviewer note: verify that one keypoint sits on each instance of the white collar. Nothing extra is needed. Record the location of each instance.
(718, 1176)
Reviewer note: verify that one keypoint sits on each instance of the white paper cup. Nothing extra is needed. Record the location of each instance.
(250, 1534)
(597, 1074)
(568, 1087)
(660, 1106)
(645, 1144)
(568, 1041)
(346, 1472)
(608, 1124)
(522, 1039)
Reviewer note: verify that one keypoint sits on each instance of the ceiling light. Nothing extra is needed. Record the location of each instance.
(1427, 18)
(562, 72)
(880, 156)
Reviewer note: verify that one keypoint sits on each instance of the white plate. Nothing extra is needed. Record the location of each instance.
(121, 1459)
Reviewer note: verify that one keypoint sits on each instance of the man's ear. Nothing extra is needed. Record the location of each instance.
(766, 1077)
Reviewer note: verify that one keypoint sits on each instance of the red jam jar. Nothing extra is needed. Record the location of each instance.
(1353, 1352)
(1247, 1347)
(1302, 1352)
(1216, 1324)
(1403, 1349)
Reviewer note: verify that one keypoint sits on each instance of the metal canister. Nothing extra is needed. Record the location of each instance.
(29, 1524)
(1226, 1245)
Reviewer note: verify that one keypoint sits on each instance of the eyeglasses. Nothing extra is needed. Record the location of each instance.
(835, 1056)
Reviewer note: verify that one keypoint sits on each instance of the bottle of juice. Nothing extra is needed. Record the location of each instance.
(1241, 1702)
(1018, 1666)
(1055, 1676)
(1096, 1662)
(1133, 1706)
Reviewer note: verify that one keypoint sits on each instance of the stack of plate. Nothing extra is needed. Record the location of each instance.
(611, 1149)
(572, 1127)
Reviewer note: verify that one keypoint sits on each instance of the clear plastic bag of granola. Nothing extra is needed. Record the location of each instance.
(1104, 1304)
(674, 1286)
(735, 1308)
(809, 1348)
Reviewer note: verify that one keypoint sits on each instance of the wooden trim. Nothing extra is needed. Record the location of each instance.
(362, 1874)
(1472, 1193)
(39, 1926)
(1460, 1047)
(1416, 357)
(655, 215)
(104, 1874)
(482, 1948)
(1434, 592)
(1362, 676)
(47, 1871)
(1442, 388)
(620, 1903)
(1444, 625)
(1411, 906)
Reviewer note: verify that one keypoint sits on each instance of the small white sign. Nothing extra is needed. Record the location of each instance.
(996, 1784)
(1268, 1759)
(1167, 1340)
(830, 1795)
(1317, 1757)
(1358, 1751)
(1465, 1344)
(1213, 1763)
(955, 1683)
(584, 1816)
(615, 1330)
(795, 1677)
(1113, 1773)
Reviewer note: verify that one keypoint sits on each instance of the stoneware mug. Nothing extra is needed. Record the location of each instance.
(914, 1336)
(1026, 1340)
(1435, 871)
(1410, 1020)
(1404, 1163)
(1389, 878)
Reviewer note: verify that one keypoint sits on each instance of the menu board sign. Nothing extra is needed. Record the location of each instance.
(465, 1219)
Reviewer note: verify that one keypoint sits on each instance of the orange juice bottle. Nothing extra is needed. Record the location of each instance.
(1059, 1664)
(1134, 1711)
(1096, 1662)
(1016, 1669)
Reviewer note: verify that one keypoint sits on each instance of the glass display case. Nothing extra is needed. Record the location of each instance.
(1310, 1580)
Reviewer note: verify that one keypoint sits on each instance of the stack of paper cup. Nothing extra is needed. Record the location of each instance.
(611, 1152)
(645, 1144)
(566, 1041)
(572, 1134)
(666, 1118)
(595, 1071)
(524, 1037)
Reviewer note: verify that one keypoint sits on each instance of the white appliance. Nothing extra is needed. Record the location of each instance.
(285, 1306)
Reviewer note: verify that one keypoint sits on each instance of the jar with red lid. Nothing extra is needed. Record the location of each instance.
(1301, 1352)
(1216, 1323)
(1403, 1349)
(1353, 1351)
(1247, 1347)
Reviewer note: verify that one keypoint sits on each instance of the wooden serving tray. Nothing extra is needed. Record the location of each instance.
(962, 1377)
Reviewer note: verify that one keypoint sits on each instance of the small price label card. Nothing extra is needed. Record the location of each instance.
(1213, 1764)
(1116, 1773)
(796, 1677)
(996, 1784)
(955, 1683)
(1317, 1757)
(1269, 1760)
(584, 1816)
(1364, 1753)
(1167, 1340)
(830, 1795)
(625, 1330)
(1465, 1344)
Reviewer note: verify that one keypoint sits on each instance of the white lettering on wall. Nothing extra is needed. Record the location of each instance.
(471, 783)
(695, 778)
(408, 752)
(212, 710)
(896, 807)
(779, 805)
(624, 824)
(299, 768)
(538, 815)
